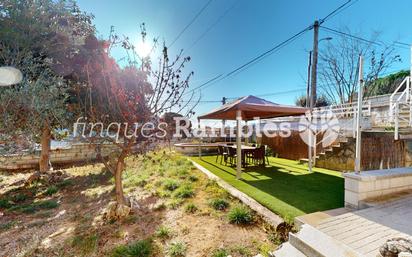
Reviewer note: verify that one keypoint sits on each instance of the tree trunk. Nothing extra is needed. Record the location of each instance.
(45, 149)
(118, 181)
(119, 209)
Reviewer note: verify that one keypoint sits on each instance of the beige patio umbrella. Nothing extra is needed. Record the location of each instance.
(248, 108)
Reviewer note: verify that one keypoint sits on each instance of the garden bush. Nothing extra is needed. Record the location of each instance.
(240, 215)
(219, 204)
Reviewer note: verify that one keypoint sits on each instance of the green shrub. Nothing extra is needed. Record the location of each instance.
(219, 204)
(28, 209)
(85, 243)
(185, 191)
(220, 253)
(5, 203)
(33, 207)
(7, 225)
(48, 204)
(120, 251)
(240, 215)
(20, 197)
(174, 203)
(65, 183)
(170, 184)
(190, 208)
(193, 178)
(176, 249)
(141, 248)
(51, 190)
(163, 232)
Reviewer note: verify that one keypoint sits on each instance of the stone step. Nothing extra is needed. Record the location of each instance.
(314, 243)
(287, 250)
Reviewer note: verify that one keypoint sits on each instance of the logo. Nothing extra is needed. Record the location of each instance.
(321, 122)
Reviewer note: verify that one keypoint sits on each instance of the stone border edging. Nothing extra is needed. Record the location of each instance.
(267, 215)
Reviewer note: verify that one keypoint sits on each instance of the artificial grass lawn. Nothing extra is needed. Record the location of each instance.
(285, 186)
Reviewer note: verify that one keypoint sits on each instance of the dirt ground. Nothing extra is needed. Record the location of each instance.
(64, 218)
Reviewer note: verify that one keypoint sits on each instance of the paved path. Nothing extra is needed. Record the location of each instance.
(365, 231)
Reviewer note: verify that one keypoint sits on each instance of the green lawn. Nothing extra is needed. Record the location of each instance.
(285, 187)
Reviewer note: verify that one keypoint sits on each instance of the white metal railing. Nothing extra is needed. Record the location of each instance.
(396, 100)
(346, 109)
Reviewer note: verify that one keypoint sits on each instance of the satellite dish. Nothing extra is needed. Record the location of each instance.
(10, 76)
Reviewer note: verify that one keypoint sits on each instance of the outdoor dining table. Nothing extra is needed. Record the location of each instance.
(245, 150)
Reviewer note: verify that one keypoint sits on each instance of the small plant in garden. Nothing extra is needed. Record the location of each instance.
(51, 190)
(20, 197)
(185, 191)
(163, 232)
(191, 208)
(65, 183)
(33, 207)
(141, 248)
(174, 203)
(219, 204)
(5, 203)
(7, 225)
(170, 184)
(193, 178)
(85, 243)
(240, 215)
(176, 249)
(221, 252)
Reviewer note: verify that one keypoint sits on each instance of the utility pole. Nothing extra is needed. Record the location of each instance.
(359, 118)
(308, 86)
(314, 63)
(309, 105)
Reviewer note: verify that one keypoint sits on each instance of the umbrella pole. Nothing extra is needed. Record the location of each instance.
(238, 145)
(200, 139)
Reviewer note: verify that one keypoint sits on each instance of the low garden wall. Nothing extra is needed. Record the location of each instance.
(75, 153)
(373, 184)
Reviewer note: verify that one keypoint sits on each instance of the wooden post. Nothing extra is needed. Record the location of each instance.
(238, 145)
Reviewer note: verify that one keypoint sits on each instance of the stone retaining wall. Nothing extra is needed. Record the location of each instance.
(76, 153)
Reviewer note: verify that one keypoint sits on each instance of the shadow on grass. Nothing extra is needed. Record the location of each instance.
(290, 183)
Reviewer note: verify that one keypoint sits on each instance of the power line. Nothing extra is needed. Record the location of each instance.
(273, 49)
(276, 93)
(337, 32)
(213, 25)
(338, 10)
(191, 22)
(401, 43)
(341, 33)
(202, 85)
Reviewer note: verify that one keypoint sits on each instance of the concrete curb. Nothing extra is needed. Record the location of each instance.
(267, 215)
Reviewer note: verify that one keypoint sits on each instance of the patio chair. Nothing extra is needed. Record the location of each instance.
(259, 155)
(232, 156)
(222, 153)
(266, 154)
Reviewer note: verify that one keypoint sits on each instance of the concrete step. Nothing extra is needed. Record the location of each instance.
(314, 243)
(287, 250)
(305, 160)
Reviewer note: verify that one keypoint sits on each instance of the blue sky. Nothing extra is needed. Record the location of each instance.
(248, 29)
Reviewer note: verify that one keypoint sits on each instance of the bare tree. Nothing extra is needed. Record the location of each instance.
(339, 64)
